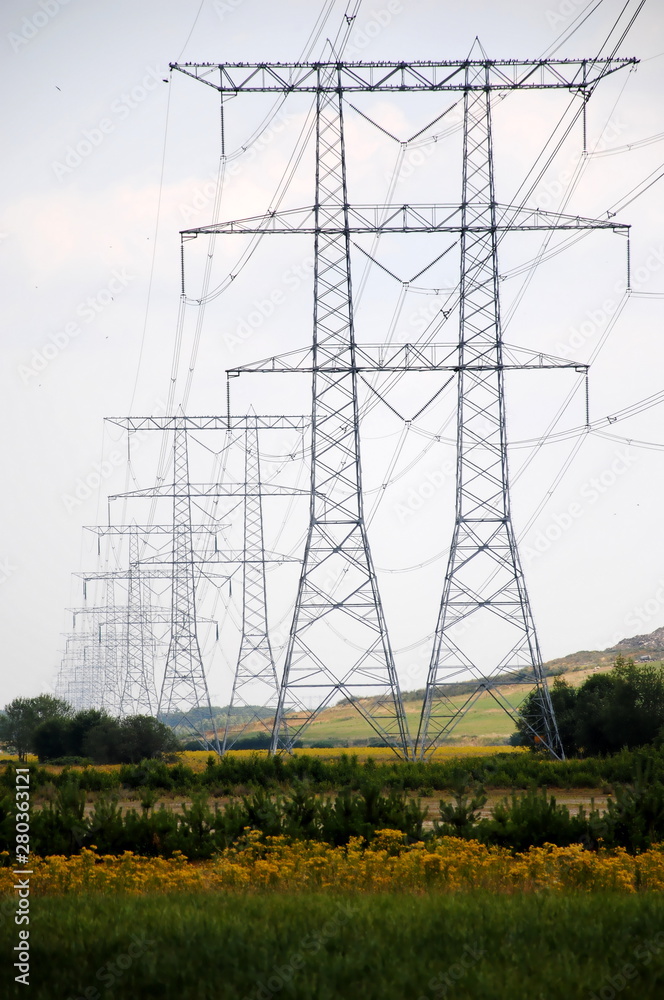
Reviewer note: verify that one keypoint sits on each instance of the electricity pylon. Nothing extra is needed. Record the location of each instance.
(255, 682)
(184, 689)
(338, 594)
(138, 695)
(82, 670)
(185, 698)
(131, 672)
(485, 630)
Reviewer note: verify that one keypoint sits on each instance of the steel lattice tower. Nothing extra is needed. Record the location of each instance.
(138, 695)
(255, 682)
(184, 690)
(338, 586)
(484, 584)
(184, 686)
(112, 639)
(338, 591)
(128, 639)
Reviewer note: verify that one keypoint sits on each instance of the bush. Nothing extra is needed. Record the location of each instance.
(623, 708)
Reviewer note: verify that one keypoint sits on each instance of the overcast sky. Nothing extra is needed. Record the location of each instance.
(106, 157)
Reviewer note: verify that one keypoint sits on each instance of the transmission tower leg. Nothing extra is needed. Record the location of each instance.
(185, 699)
(255, 683)
(338, 645)
(485, 629)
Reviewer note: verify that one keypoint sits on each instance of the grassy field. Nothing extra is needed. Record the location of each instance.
(485, 722)
(314, 947)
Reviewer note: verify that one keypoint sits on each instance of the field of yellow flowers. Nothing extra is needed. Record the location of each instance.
(448, 865)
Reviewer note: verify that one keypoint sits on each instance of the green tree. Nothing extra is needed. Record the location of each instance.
(22, 716)
(563, 700)
(65, 736)
(623, 707)
(51, 739)
(80, 726)
(103, 742)
(130, 740)
(143, 737)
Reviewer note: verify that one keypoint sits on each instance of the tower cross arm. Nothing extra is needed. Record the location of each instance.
(406, 357)
(501, 74)
(210, 490)
(221, 423)
(412, 218)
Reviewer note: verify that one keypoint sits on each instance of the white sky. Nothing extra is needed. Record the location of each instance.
(89, 251)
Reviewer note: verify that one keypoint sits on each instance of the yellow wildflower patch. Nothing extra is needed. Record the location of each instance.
(385, 865)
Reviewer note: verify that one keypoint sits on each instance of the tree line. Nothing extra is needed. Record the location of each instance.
(50, 728)
(621, 708)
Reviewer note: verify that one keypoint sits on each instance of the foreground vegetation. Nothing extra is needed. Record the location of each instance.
(387, 863)
(334, 946)
(633, 820)
(242, 771)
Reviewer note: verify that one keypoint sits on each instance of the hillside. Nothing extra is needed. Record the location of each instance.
(484, 724)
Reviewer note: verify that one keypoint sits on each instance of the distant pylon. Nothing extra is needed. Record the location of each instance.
(255, 683)
(111, 639)
(81, 673)
(485, 626)
(338, 645)
(185, 699)
(138, 695)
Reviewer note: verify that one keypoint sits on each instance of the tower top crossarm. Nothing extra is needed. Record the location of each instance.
(501, 74)
(180, 422)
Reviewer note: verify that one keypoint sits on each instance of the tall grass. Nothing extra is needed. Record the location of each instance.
(260, 947)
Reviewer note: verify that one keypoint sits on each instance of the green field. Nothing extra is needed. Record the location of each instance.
(484, 723)
(385, 947)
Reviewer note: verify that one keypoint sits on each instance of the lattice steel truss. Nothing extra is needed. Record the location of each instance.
(132, 642)
(255, 682)
(184, 687)
(484, 586)
(138, 695)
(184, 698)
(338, 594)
